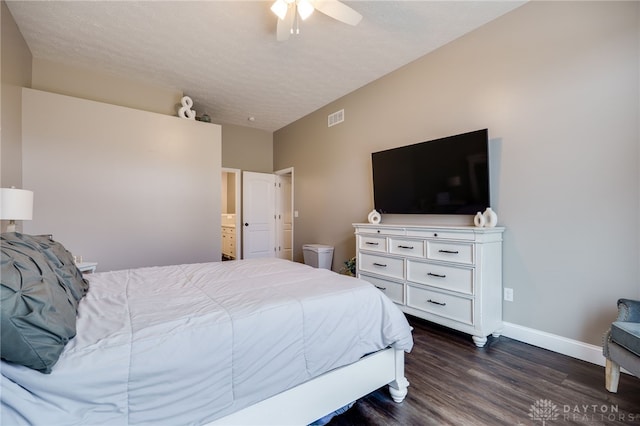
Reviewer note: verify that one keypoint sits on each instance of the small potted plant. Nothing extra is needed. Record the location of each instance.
(350, 267)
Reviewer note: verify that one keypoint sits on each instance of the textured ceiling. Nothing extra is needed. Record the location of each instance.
(225, 56)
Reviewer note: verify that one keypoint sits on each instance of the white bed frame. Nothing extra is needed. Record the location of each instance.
(324, 394)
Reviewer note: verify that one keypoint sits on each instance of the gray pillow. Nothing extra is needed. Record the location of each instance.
(38, 296)
(61, 261)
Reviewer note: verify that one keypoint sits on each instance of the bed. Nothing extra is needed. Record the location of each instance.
(264, 341)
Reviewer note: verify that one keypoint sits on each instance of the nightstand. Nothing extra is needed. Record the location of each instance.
(87, 267)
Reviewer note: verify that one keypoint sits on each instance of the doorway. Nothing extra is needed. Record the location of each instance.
(231, 214)
(267, 214)
(284, 212)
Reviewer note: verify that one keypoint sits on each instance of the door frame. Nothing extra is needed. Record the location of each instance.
(289, 171)
(238, 208)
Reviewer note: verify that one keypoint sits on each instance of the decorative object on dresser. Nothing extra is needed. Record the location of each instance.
(374, 217)
(449, 275)
(15, 204)
(490, 218)
(478, 220)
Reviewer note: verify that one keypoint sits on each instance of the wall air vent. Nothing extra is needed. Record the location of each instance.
(335, 118)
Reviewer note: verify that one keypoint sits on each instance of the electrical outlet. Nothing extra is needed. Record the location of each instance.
(508, 294)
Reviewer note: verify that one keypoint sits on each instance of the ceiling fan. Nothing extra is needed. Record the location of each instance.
(288, 12)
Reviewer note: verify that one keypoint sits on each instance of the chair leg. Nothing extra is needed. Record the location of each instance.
(612, 376)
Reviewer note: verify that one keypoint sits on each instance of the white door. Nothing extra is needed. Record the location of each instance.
(284, 216)
(258, 215)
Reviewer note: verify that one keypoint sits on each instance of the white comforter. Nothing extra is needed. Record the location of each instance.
(188, 344)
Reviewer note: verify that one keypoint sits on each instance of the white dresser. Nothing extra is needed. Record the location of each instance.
(229, 241)
(449, 275)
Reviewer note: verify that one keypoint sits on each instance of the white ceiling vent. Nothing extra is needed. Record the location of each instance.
(335, 118)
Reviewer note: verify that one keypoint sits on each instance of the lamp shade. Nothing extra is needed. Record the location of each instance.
(16, 204)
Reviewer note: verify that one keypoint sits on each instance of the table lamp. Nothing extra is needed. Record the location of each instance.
(15, 204)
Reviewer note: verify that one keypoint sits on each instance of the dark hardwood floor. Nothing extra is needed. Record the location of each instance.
(505, 383)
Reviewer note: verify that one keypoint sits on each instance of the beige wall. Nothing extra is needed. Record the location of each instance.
(247, 148)
(243, 147)
(560, 100)
(98, 86)
(15, 73)
(119, 186)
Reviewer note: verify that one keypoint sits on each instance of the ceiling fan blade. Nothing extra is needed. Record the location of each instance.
(283, 30)
(338, 10)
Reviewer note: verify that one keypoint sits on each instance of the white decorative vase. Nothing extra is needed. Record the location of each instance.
(490, 218)
(478, 220)
(374, 217)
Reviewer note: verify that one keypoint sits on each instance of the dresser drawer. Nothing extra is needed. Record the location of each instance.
(406, 247)
(381, 265)
(372, 243)
(453, 307)
(393, 290)
(450, 252)
(380, 230)
(443, 234)
(454, 278)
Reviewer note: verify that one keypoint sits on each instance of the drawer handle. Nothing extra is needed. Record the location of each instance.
(371, 244)
(436, 275)
(406, 247)
(436, 303)
(448, 251)
(381, 288)
(379, 264)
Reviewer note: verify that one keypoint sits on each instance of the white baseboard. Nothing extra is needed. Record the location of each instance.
(555, 343)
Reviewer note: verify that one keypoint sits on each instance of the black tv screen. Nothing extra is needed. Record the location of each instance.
(443, 176)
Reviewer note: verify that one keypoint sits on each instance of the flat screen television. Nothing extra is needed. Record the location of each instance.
(443, 176)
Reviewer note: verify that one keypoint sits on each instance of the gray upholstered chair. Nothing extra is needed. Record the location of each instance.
(622, 343)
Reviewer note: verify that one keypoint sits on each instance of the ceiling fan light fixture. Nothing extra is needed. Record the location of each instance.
(305, 9)
(280, 7)
(291, 12)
